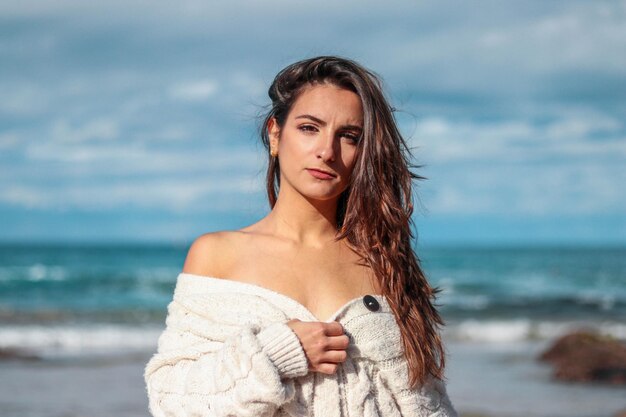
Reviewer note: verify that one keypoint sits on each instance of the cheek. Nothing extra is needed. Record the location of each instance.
(292, 157)
(349, 160)
(294, 146)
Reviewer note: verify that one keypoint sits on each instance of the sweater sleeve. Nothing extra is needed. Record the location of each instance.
(245, 372)
(445, 409)
(429, 399)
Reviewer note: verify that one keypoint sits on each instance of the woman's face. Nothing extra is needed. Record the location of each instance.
(321, 132)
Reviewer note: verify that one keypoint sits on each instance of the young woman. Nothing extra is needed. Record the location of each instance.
(321, 307)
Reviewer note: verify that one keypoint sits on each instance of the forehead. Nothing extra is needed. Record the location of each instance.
(327, 102)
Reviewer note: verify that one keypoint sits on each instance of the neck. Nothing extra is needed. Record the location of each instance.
(306, 222)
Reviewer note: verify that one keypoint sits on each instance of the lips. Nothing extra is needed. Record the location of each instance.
(325, 172)
(320, 173)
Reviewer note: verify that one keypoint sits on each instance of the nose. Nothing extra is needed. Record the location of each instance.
(326, 147)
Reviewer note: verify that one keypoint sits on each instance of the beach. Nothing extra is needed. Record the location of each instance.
(499, 381)
(78, 325)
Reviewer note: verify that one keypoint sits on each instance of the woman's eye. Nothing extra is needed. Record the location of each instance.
(351, 137)
(307, 128)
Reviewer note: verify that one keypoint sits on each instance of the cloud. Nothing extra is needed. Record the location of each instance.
(441, 140)
(22, 99)
(8, 140)
(198, 90)
(96, 129)
(517, 191)
(516, 109)
(202, 193)
(570, 165)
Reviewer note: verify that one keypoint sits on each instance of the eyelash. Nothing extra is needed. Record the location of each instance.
(351, 137)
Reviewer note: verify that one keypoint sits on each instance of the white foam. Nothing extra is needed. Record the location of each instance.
(113, 338)
(497, 331)
(76, 340)
(35, 272)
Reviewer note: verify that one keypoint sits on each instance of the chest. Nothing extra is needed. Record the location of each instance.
(321, 280)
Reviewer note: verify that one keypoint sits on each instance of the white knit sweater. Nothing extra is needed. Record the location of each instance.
(227, 351)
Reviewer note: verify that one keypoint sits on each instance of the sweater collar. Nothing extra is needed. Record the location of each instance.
(197, 284)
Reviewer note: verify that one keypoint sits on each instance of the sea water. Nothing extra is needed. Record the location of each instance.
(501, 305)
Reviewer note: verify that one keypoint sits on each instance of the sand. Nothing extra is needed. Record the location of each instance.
(497, 380)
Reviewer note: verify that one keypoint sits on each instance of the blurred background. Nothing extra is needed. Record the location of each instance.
(129, 128)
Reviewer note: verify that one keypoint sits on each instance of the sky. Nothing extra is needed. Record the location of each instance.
(137, 121)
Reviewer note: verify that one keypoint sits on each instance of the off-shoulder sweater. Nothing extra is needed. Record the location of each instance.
(227, 351)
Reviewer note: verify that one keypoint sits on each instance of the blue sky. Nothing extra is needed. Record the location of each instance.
(136, 120)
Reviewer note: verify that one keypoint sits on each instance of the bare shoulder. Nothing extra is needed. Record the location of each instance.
(210, 254)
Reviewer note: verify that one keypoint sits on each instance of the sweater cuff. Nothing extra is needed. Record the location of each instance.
(283, 347)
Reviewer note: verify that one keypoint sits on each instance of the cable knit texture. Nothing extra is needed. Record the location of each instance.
(227, 351)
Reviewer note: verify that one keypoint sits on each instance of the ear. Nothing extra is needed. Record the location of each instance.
(273, 131)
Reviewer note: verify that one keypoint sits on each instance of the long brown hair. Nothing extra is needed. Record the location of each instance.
(374, 212)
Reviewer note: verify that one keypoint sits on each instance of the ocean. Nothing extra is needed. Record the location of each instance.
(106, 304)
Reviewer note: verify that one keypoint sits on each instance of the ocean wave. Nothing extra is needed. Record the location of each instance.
(50, 341)
(76, 340)
(34, 273)
(504, 331)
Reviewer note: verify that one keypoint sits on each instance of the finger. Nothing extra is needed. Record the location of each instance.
(334, 356)
(337, 342)
(333, 328)
(327, 368)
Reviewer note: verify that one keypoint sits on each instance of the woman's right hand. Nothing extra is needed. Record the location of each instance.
(324, 343)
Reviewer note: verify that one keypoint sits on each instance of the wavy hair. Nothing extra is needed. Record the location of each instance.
(374, 212)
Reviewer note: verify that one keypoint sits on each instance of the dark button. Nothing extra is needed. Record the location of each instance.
(371, 303)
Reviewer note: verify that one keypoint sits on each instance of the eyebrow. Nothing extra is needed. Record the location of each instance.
(323, 123)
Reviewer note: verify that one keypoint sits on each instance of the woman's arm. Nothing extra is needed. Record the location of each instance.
(248, 374)
(208, 366)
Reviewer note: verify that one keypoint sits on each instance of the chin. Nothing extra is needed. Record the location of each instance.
(322, 196)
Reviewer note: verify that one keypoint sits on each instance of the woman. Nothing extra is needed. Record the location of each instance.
(320, 308)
